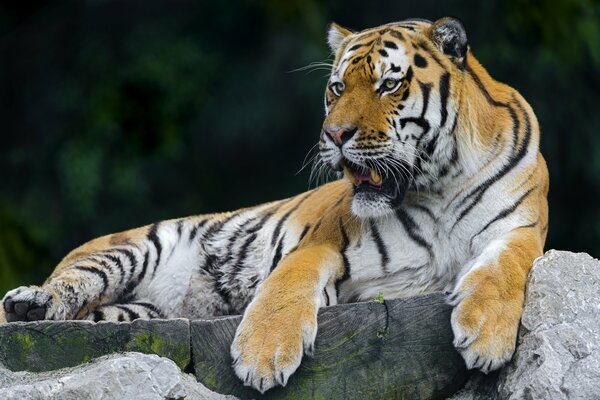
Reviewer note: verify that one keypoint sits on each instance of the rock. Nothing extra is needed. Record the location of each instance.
(399, 349)
(479, 387)
(48, 345)
(558, 354)
(123, 376)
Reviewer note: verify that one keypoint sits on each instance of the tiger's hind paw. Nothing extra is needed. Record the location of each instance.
(32, 304)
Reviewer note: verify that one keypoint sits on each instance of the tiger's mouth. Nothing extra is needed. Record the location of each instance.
(360, 176)
(369, 181)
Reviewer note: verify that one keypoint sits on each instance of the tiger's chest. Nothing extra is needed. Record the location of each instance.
(409, 254)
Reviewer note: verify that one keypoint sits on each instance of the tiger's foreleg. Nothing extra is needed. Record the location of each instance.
(280, 324)
(103, 271)
(488, 299)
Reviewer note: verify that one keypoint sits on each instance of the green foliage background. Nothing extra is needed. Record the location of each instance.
(116, 114)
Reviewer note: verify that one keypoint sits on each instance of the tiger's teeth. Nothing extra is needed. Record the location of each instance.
(349, 175)
(375, 177)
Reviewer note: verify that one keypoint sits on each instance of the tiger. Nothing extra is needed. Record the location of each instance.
(442, 188)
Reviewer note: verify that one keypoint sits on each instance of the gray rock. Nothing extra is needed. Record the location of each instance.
(479, 387)
(558, 355)
(121, 376)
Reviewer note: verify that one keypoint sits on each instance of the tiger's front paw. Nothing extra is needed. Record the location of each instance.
(270, 341)
(485, 329)
(32, 304)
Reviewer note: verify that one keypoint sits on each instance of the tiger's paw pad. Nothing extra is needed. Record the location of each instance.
(264, 357)
(485, 338)
(31, 304)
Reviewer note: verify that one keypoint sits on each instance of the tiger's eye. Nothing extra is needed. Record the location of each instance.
(337, 88)
(390, 84)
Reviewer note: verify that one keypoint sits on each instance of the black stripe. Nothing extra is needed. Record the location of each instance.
(97, 272)
(144, 267)
(278, 251)
(285, 218)
(410, 28)
(98, 316)
(480, 190)
(383, 52)
(261, 222)
(426, 89)
(326, 297)
(318, 224)
(153, 237)
(444, 169)
(397, 35)
(130, 313)
(389, 45)
(194, 230)
(381, 248)
(411, 227)
(233, 239)
(148, 306)
(179, 227)
(513, 160)
(345, 244)
(531, 225)
(241, 258)
(503, 214)
(428, 48)
(358, 46)
(444, 93)
(304, 232)
(117, 261)
(130, 256)
(425, 210)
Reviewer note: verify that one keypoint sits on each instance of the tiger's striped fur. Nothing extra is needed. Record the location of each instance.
(456, 202)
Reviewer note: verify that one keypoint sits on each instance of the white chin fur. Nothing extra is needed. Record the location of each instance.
(368, 205)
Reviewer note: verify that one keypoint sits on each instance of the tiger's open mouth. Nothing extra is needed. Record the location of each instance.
(360, 176)
(370, 181)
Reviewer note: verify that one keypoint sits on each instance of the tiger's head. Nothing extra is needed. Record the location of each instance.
(391, 107)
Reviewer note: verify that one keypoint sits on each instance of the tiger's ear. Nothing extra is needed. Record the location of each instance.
(336, 35)
(449, 35)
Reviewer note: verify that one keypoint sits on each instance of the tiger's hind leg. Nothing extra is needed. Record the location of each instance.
(108, 270)
(125, 312)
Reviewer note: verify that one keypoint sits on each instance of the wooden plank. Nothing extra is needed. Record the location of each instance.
(50, 345)
(356, 356)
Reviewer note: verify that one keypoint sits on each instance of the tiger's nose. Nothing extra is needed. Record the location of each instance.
(340, 135)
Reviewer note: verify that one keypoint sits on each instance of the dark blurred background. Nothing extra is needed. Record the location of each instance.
(116, 114)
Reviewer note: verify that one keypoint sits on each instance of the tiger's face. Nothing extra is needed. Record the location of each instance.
(387, 101)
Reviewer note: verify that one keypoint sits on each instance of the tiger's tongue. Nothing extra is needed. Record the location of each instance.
(357, 178)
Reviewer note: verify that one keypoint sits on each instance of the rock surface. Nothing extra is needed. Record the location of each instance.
(123, 376)
(558, 356)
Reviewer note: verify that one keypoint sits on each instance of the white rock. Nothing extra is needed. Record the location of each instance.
(119, 376)
(558, 355)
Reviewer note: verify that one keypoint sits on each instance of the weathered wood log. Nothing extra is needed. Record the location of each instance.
(396, 349)
(47, 345)
(399, 349)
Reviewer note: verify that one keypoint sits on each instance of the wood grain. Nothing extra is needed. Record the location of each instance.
(50, 345)
(401, 349)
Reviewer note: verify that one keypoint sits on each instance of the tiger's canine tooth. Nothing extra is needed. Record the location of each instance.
(375, 177)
